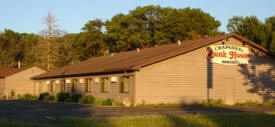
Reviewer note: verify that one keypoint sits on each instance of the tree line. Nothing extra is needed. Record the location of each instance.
(142, 27)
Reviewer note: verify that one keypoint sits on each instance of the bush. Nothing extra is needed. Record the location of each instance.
(19, 97)
(62, 97)
(50, 98)
(98, 101)
(119, 104)
(29, 97)
(75, 98)
(43, 96)
(107, 102)
(12, 94)
(89, 99)
(212, 102)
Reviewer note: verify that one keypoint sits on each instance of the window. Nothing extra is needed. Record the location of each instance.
(88, 85)
(67, 85)
(62, 86)
(74, 85)
(57, 82)
(105, 84)
(51, 85)
(124, 84)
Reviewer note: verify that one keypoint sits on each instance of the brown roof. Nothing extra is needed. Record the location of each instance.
(132, 60)
(6, 71)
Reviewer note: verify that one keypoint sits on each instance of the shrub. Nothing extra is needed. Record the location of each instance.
(43, 96)
(61, 97)
(118, 104)
(12, 94)
(212, 102)
(98, 101)
(89, 99)
(107, 102)
(29, 97)
(75, 98)
(269, 103)
(19, 97)
(50, 98)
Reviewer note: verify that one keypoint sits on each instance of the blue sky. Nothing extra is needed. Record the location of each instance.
(26, 15)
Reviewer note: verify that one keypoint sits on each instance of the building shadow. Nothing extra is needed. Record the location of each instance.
(259, 76)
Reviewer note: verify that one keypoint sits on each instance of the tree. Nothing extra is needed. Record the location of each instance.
(151, 25)
(16, 47)
(142, 27)
(271, 22)
(51, 35)
(90, 42)
(255, 30)
(67, 50)
(28, 44)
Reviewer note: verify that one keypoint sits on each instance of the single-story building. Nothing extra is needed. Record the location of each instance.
(17, 81)
(227, 67)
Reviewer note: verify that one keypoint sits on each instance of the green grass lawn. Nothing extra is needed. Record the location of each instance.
(198, 120)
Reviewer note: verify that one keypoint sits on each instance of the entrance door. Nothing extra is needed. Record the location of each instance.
(229, 93)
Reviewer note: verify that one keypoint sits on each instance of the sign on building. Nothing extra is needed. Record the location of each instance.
(228, 54)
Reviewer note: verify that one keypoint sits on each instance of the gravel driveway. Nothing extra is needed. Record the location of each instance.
(46, 112)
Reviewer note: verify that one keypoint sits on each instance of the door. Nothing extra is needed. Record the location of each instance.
(229, 93)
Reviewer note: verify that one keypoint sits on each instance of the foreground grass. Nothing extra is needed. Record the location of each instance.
(210, 103)
(198, 120)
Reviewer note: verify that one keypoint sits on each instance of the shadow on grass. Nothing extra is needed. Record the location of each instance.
(197, 120)
(75, 115)
(225, 120)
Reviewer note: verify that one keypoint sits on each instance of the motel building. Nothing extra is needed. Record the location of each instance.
(16, 82)
(227, 67)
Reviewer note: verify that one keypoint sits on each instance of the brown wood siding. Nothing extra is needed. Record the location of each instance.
(183, 79)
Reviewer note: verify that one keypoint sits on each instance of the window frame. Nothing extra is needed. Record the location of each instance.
(122, 84)
(62, 85)
(51, 85)
(57, 85)
(88, 85)
(74, 86)
(105, 81)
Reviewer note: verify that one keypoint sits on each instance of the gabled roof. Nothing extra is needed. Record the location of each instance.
(6, 71)
(133, 60)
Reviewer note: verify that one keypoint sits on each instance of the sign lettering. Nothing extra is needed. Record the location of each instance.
(228, 54)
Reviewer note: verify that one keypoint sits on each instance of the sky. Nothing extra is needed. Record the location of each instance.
(26, 15)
